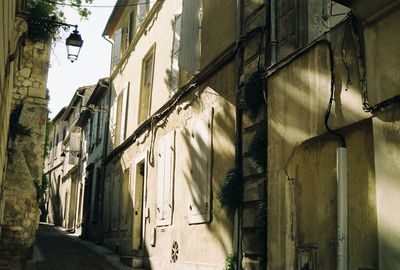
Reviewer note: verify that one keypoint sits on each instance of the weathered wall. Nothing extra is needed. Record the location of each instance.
(387, 171)
(21, 214)
(311, 198)
(213, 239)
(298, 96)
(11, 29)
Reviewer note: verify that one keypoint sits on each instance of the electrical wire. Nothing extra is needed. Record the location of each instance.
(95, 6)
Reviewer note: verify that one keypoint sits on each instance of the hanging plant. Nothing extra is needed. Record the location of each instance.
(253, 93)
(230, 194)
(258, 148)
(230, 261)
(16, 128)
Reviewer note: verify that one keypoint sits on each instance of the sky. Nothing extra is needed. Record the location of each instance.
(93, 63)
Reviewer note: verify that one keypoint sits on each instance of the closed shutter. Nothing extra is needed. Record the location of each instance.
(143, 7)
(74, 142)
(124, 114)
(165, 179)
(106, 208)
(116, 56)
(175, 53)
(190, 39)
(201, 151)
(93, 131)
(116, 183)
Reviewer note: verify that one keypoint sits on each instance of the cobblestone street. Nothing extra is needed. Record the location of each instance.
(62, 252)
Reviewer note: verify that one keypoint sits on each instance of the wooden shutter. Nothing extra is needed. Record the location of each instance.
(175, 53)
(116, 183)
(124, 113)
(201, 151)
(93, 131)
(106, 208)
(116, 56)
(75, 141)
(143, 7)
(165, 179)
(190, 39)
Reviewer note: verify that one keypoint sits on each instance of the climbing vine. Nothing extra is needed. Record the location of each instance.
(230, 261)
(253, 93)
(258, 148)
(231, 192)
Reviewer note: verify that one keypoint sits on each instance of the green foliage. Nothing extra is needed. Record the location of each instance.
(253, 91)
(16, 128)
(230, 261)
(230, 194)
(43, 13)
(258, 147)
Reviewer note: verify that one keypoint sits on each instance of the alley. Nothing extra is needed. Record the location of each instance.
(62, 252)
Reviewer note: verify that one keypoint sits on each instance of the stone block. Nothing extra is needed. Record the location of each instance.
(249, 217)
(253, 191)
(249, 167)
(25, 72)
(27, 83)
(250, 264)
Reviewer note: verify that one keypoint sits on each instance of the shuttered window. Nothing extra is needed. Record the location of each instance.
(143, 7)
(189, 58)
(124, 112)
(165, 179)
(118, 119)
(116, 55)
(174, 83)
(200, 151)
(132, 25)
(116, 184)
(146, 86)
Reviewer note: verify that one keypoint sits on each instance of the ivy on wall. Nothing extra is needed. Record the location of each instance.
(258, 147)
(231, 192)
(253, 93)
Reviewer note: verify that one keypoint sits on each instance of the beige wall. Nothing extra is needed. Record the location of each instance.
(201, 246)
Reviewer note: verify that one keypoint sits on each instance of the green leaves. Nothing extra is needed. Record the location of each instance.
(230, 194)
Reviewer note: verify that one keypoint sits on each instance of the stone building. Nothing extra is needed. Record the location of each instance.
(53, 169)
(26, 148)
(64, 171)
(13, 27)
(171, 130)
(93, 121)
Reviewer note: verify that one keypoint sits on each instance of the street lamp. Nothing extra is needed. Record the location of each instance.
(74, 44)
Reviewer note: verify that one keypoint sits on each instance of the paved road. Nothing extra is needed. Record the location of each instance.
(65, 253)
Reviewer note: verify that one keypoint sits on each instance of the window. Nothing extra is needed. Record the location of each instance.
(118, 119)
(124, 112)
(132, 25)
(142, 7)
(189, 57)
(165, 179)
(124, 200)
(116, 55)
(201, 151)
(124, 39)
(146, 86)
(174, 80)
(116, 184)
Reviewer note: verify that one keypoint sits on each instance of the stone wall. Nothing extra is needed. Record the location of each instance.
(21, 212)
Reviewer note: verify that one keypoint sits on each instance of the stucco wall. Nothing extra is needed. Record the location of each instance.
(202, 246)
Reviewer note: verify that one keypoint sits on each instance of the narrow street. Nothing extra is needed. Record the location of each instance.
(62, 252)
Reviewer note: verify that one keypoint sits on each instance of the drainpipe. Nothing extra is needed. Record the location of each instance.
(274, 42)
(342, 209)
(238, 124)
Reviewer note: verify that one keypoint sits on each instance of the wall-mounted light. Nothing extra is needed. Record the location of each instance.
(73, 153)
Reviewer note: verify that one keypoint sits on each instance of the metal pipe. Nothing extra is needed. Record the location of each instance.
(342, 209)
(238, 127)
(274, 42)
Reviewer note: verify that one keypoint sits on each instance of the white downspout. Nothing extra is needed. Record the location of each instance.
(342, 209)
